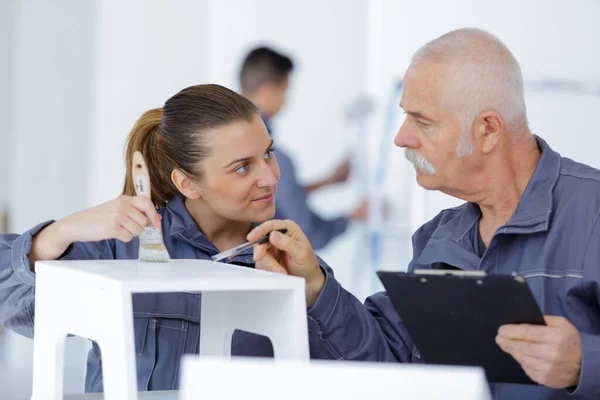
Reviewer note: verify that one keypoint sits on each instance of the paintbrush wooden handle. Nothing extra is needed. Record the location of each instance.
(140, 175)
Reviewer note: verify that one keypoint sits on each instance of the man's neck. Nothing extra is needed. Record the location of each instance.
(223, 233)
(256, 99)
(503, 185)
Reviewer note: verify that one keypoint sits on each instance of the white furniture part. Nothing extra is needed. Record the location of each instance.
(93, 299)
(326, 380)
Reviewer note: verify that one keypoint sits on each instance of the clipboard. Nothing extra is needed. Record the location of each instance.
(453, 316)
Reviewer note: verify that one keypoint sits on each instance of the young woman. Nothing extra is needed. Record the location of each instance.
(214, 177)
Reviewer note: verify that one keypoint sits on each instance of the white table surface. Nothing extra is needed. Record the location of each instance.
(176, 275)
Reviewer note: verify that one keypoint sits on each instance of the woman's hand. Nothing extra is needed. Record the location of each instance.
(122, 218)
(289, 253)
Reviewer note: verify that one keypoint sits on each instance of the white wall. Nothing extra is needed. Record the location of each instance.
(52, 109)
(147, 50)
(8, 10)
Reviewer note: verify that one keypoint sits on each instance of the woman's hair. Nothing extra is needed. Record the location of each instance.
(175, 136)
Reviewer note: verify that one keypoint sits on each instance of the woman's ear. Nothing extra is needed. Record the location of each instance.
(185, 185)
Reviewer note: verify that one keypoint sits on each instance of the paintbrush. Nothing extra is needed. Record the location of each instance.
(239, 249)
(152, 245)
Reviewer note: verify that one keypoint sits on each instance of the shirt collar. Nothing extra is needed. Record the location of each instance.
(533, 211)
(184, 227)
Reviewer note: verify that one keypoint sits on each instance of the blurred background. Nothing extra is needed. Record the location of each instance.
(75, 75)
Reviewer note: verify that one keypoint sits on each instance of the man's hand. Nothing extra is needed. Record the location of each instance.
(550, 355)
(341, 173)
(289, 254)
(361, 212)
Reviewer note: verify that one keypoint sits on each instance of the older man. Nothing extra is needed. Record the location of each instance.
(529, 211)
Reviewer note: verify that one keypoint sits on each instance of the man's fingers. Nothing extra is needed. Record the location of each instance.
(531, 333)
(268, 263)
(264, 229)
(526, 348)
(291, 246)
(529, 364)
(533, 366)
(260, 251)
(555, 321)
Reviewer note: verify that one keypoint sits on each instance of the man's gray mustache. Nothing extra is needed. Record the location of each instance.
(419, 161)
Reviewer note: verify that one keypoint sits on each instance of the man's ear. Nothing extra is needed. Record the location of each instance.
(488, 128)
(185, 185)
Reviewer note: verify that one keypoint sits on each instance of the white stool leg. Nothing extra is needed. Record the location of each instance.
(48, 364)
(116, 343)
(100, 312)
(48, 341)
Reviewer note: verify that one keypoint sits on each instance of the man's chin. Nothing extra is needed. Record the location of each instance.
(426, 181)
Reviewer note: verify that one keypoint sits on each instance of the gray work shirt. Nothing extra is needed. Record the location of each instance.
(552, 240)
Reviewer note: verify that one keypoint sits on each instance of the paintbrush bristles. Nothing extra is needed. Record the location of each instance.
(154, 253)
(152, 246)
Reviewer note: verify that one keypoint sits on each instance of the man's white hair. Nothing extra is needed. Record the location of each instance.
(482, 74)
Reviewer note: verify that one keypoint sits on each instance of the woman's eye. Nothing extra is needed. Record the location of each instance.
(269, 154)
(243, 168)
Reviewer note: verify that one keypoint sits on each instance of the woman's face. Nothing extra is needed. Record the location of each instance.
(240, 176)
